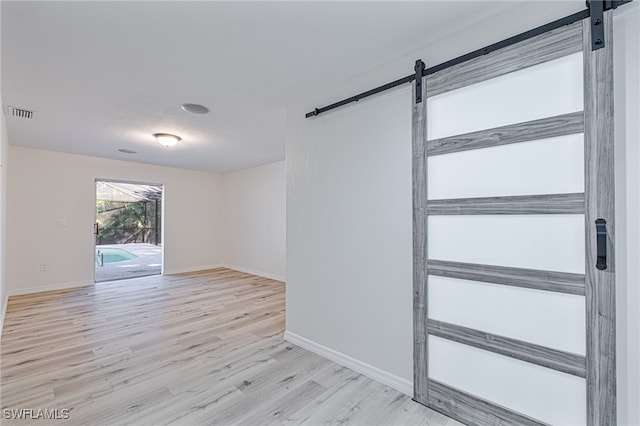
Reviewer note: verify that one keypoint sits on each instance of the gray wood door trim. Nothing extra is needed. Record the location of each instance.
(472, 410)
(560, 282)
(561, 125)
(419, 194)
(522, 204)
(599, 199)
(545, 47)
(536, 354)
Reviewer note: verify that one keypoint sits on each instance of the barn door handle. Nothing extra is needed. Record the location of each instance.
(97, 229)
(601, 244)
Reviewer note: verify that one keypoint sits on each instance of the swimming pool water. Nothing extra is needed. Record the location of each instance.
(113, 255)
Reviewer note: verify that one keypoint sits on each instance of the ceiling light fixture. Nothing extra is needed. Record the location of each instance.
(127, 151)
(195, 108)
(167, 139)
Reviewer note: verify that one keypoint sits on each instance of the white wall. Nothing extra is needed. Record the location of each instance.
(254, 220)
(349, 278)
(349, 248)
(45, 186)
(4, 165)
(627, 132)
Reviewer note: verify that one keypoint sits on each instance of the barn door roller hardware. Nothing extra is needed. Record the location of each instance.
(596, 12)
(419, 69)
(595, 9)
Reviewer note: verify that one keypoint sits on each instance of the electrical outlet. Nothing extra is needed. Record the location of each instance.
(61, 222)
(44, 267)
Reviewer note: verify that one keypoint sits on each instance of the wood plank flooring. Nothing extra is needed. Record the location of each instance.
(190, 349)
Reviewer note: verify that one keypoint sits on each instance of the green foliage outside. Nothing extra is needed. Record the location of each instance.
(128, 222)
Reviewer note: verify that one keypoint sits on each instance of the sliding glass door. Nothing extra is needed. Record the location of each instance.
(128, 232)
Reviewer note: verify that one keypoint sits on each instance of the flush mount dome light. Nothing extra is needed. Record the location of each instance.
(167, 139)
(195, 108)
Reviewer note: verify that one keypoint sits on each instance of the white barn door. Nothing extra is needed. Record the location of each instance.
(514, 310)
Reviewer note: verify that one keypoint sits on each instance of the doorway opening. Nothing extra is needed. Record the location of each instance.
(128, 230)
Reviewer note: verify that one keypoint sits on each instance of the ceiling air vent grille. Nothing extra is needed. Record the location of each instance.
(21, 113)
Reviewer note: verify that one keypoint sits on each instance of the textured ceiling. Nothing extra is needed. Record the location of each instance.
(107, 75)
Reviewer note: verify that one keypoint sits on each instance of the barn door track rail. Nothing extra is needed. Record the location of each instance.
(595, 10)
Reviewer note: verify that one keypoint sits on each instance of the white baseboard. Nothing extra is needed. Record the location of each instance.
(391, 380)
(51, 287)
(4, 312)
(191, 269)
(254, 272)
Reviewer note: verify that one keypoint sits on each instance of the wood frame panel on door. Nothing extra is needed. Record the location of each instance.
(597, 285)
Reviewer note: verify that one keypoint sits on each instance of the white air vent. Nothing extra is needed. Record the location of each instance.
(21, 113)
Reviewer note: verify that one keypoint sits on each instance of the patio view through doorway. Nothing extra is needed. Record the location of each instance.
(128, 231)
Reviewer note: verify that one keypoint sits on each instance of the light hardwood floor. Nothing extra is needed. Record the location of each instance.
(199, 348)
